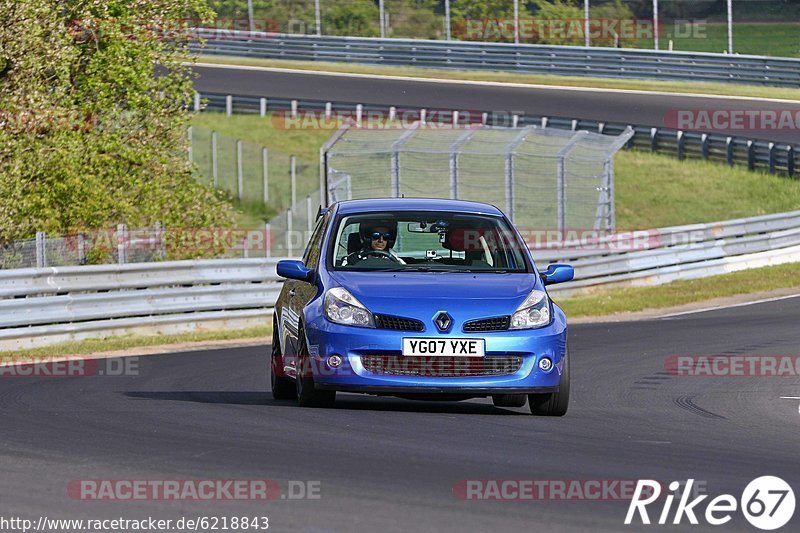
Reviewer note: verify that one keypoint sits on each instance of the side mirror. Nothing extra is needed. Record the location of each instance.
(292, 269)
(557, 273)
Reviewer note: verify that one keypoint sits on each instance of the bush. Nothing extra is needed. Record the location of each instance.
(94, 118)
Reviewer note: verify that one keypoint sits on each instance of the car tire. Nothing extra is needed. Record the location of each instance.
(509, 400)
(282, 387)
(307, 394)
(553, 403)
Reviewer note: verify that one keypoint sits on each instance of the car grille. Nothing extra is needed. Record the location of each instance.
(442, 366)
(398, 323)
(499, 323)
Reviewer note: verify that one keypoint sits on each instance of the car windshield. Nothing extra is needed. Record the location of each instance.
(427, 242)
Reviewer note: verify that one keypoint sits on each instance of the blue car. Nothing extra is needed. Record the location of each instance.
(423, 299)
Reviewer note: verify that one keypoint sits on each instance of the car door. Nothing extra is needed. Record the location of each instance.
(302, 292)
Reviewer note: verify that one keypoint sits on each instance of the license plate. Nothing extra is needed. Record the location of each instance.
(444, 347)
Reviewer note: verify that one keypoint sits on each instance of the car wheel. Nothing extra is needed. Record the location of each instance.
(553, 403)
(509, 400)
(282, 387)
(307, 394)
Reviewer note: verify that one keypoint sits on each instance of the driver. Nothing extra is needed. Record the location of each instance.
(377, 243)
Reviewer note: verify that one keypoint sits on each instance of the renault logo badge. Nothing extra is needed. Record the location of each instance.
(443, 321)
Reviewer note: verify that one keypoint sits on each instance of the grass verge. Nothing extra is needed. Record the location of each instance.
(129, 342)
(652, 190)
(634, 299)
(714, 89)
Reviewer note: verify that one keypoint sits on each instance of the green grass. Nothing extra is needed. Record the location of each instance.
(257, 132)
(728, 89)
(682, 292)
(109, 344)
(769, 39)
(654, 191)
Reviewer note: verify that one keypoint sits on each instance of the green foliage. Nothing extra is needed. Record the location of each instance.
(93, 128)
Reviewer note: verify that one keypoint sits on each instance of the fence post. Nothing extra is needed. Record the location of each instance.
(790, 160)
(162, 252)
(239, 171)
(653, 139)
(601, 126)
(214, 174)
(189, 138)
(81, 249)
(310, 220)
(293, 171)
(545, 120)
(423, 114)
(229, 105)
(392, 113)
(265, 167)
(359, 114)
(574, 124)
(751, 155)
(289, 250)
(729, 151)
(197, 102)
(328, 110)
(268, 239)
(704, 145)
(681, 144)
(771, 158)
(41, 250)
(263, 107)
(294, 108)
(122, 244)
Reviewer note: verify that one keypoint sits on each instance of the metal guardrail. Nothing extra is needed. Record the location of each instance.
(46, 305)
(527, 58)
(761, 155)
(683, 252)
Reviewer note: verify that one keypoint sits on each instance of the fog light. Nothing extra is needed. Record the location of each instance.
(545, 364)
(334, 361)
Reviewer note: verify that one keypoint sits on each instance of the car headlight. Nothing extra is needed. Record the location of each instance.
(534, 312)
(341, 307)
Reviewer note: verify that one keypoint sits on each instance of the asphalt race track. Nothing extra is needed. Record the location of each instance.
(390, 464)
(645, 109)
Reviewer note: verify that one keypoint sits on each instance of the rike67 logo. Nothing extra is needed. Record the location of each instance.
(767, 503)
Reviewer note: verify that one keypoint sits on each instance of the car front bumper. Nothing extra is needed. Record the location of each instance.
(353, 343)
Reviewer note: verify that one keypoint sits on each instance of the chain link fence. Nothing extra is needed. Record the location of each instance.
(265, 180)
(542, 178)
(759, 27)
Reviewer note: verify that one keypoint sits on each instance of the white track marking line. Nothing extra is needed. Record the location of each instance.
(790, 397)
(730, 306)
(490, 83)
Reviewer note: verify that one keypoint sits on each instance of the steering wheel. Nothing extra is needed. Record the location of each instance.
(364, 254)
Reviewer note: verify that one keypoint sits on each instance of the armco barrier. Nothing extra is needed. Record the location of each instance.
(755, 154)
(47, 305)
(40, 306)
(528, 58)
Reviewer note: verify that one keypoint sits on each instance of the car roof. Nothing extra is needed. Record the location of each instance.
(369, 205)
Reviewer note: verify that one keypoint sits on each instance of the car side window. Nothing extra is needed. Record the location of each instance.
(312, 253)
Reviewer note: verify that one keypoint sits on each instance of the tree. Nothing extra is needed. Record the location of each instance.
(94, 97)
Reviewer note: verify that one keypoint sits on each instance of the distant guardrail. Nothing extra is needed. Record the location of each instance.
(40, 306)
(526, 58)
(766, 156)
(47, 305)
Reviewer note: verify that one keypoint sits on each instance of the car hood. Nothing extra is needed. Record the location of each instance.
(422, 294)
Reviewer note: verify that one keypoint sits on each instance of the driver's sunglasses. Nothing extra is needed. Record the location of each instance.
(377, 235)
